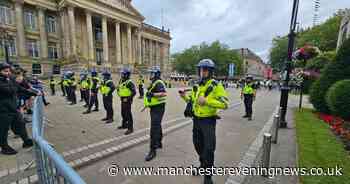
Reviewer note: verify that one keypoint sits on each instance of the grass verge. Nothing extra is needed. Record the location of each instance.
(319, 147)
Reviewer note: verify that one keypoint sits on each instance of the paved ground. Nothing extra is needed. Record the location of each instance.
(234, 137)
(68, 129)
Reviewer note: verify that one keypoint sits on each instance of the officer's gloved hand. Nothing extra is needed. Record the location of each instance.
(149, 95)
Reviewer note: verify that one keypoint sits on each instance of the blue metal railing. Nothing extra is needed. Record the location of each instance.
(51, 167)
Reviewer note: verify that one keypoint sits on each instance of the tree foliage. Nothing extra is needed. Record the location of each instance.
(323, 36)
(221, 54)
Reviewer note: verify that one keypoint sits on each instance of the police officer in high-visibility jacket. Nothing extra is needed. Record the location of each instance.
(206, 98)
(85, 88)
(126, 91)
(155, 99)
(72, 86)
(66, 85)
(52, 86)
(140, 82)
(248, 95)
(107, 88)
(94, 86)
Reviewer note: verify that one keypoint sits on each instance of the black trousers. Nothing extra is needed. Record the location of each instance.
(248, 104)
(81, 95)
(86, 96)
(66, 88)
(127, 121)
(71, 95)
(17, 124)
(204, 140)
(53, 90)
(108, 105)
(93, 100)
(141, 90)
(157, 113)
(63, 90)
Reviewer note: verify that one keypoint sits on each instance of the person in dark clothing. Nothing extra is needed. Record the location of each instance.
(126, 91)
(140, 82)
(248, 95)
(93, 92)
(53, 86)
(38, 85)
(155, 99)
(8, 109)
(107, 88)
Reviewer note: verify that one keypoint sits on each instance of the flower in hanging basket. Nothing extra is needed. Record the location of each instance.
(307, 52)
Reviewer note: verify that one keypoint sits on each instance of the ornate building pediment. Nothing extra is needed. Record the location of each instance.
(124, 5)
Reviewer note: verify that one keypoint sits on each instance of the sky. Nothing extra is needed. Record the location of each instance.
(238, 23)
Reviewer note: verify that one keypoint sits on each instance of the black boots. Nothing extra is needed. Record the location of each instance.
(151, 155)
(28, 143)
(7, 150)
(129, 131)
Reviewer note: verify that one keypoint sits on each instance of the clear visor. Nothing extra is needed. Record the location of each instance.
(203, 72)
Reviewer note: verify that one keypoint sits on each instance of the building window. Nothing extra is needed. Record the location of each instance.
(99, 56)
(11, 44)
(98, 34)
(36, 69)
(30, 20)
(6, 15)
(56, 69)
(33, 48)
(51, 24)
(53, 51)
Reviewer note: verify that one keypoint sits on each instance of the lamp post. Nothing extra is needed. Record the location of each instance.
(288, 63)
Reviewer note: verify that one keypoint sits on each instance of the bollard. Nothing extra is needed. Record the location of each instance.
(276, 125)
(266, 152)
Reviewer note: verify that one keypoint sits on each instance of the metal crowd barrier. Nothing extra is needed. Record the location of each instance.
(51, 167)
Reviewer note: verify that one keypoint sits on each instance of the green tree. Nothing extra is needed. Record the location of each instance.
(221, 54)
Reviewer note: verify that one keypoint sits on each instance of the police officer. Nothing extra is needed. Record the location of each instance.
(140, 82)
(207, 97)
(72, 86)
(94, 86)
(248, 95)
(52, 86)
(8, 109)
(155, 99)
(84, 88)
(107, 88)
(126, 91)
(66, 85)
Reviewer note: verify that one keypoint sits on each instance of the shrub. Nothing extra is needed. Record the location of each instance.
(338, 99)
(334, 72)
(316, 97)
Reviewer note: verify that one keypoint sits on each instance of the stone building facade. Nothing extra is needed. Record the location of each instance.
(253, 65)
(48, 35)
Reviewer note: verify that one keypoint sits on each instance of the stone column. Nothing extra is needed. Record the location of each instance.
(105, 40)
(20, 28)
(90, 35)
(151, 59)
(43, 34)
(139, 46)
(143, 49)
(129, 45)
(72, 30)
(118, 43)
(157, 53)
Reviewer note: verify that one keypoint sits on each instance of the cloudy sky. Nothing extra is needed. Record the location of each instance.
(238, 23)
